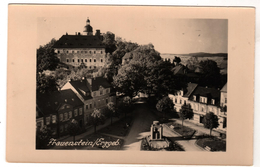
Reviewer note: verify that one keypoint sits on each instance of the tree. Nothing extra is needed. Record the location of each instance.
(192, 63)
(96, 118)
(73, 128)
(46, 58)
(43, 136)
(210, 121)
(165, 105)
(109, 41)
(177, 60)
(211, 73)
(112, 110)
(186, 112)
(45, 84)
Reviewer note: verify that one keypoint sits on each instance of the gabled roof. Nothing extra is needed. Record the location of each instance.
(79, 41)
(52, 102)
(210, 93)
(224, 89)
(99, 81)
(190, 88)
(81, 87)
(178, 70)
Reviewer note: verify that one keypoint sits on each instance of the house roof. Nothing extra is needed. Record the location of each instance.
(178, 70)
(210, 93)
(51, 103)
(190, 88)
(81, 87)
(99, 81)
(224, 89)
(79, 41)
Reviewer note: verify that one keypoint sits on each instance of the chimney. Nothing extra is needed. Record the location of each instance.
(97, 32)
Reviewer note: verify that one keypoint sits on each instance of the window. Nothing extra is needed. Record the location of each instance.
(101, 53)
(94, 94)
(94, 52)
(61, 117)
(75, 112)
(201, 109)
(66, 127)
(86, 60)
(106, 100)
(176, 100)
(53, 119)
(89, 51)
(86, 106)
(194, 97)
(73, 60)
(94, 60)
(225, 100)
(73, 51)
(65, 116)
(80, 111)
(70, 114)
(101, 92)
(212, 101)
(68, 60)
(78, 60)
(61, 129)
(90, 105)
(94, 104)
(67, 51)
(201, 99)
(89, 60)
(82, 60)
(58, 51)
(180, 101)
(47, 120)
(101, 60)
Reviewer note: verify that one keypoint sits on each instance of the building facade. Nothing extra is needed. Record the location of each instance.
(202, 101)
(57, 109)
(93, 92)
(82, 49)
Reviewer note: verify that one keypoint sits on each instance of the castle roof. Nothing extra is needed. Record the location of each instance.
(79, 41)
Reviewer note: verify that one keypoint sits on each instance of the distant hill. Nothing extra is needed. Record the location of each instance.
(199, 54)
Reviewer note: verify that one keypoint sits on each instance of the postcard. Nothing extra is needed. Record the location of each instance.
(130, 84)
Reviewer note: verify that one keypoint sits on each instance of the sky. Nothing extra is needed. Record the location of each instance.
(168, 34)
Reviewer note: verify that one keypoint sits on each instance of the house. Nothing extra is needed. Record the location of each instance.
(56, 109)
(202, 101)
(79, 49)
(93, 92)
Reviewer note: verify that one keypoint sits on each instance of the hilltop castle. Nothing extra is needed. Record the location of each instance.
(79, 49)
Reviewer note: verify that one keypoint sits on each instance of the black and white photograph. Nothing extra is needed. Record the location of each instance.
(131, 83)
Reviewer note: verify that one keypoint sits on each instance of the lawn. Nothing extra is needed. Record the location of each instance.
(119, 128)
(184, 131)
(92, 142)
(213, 143)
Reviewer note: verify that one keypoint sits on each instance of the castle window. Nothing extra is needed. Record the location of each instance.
(68, 60)
(90, 105)
(86, 60)
(101, 60)
(78, 60)
(89, 60)
(73, 60)
(94, 52)
(70, 114)
(89, 51)
(82, 60)
(54, 119)
(94, 60)
(58, 51)
(67, 51)
(75, 112)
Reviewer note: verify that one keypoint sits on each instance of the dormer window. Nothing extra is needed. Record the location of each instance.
(194, 97)
(213, 101)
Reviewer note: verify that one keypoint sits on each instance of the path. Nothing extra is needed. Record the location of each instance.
(143, 119)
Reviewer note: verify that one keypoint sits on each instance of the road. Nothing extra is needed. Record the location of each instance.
(143, 119)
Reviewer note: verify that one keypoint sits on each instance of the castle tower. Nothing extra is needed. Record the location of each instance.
(88, 28)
